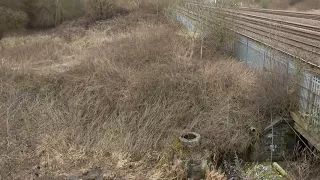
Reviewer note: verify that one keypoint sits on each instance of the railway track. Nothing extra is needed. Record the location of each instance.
(305, 29)
(316, 29)
(289, 33)
(259, 26)
(302, 15)
(311, 64)
(284, 13)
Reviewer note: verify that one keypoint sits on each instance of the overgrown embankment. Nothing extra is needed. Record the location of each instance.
(120, 91)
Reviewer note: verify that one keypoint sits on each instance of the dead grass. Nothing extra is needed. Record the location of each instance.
(103, 9)
(11, 19)
(300, 5)
(132, 91)
(305, 167)
(307, 5)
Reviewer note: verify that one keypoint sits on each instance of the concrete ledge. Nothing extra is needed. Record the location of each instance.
(313, 141)
(298, 119)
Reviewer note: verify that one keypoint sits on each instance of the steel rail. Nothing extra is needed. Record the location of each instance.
(304, 15)
(285, 28)
(282, 30)
(293, 24)
(275, 34)
(284, 13)
(281, 22)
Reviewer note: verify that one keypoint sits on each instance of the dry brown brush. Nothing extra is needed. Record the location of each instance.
(11, 19)
(103, 9)
(305, 167)
(130, 91)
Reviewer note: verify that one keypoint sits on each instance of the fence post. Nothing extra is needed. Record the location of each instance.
(311, 122)
(264, 61)
(310, 98)
(247, 53)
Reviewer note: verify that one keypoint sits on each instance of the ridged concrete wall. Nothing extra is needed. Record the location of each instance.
(257, 55)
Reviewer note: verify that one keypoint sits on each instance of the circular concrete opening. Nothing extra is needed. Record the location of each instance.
(189, 136)
(190, 139)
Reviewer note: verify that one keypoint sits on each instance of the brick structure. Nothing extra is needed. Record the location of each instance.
(281, 141)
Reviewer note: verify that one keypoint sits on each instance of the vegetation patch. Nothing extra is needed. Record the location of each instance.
(117, 94)
(11, 19)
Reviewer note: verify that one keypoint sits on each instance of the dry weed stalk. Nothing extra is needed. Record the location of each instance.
(214, 175)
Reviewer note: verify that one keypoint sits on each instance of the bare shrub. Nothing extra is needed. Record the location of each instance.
(11, 19)
(156, 6)
(264, 4)
(217, 36)
(102, 9)
(292, 2)
(279, 4)
(305, 167)
(72, 9)
(12, 4)
(46, 13)
(307, 5)
(275, 94)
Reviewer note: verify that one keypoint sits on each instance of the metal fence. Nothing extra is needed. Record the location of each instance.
(259, 56)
